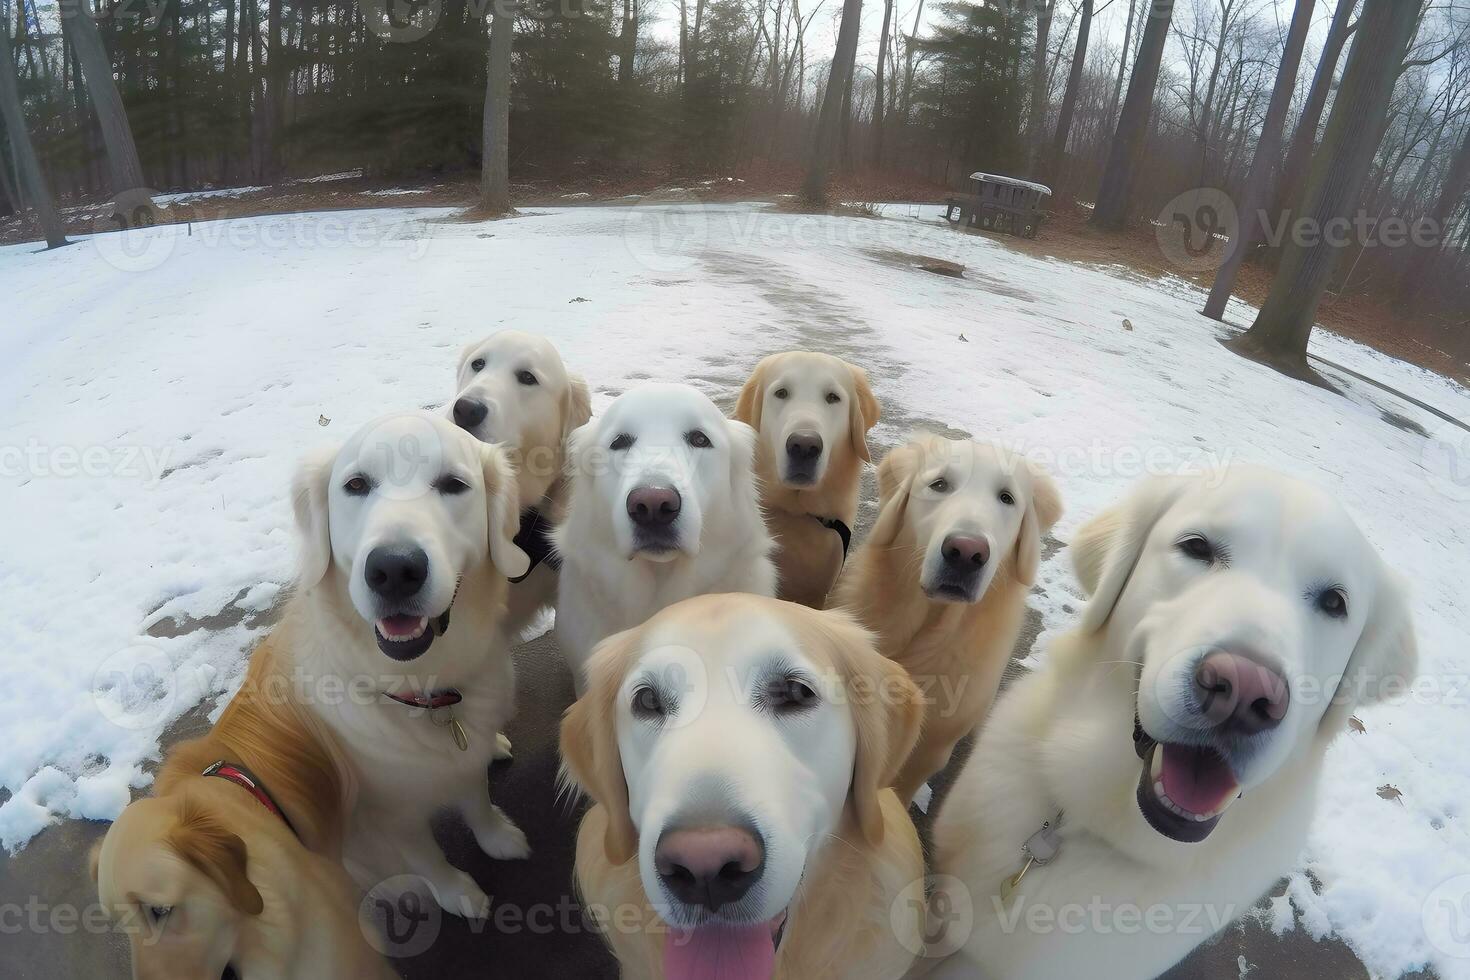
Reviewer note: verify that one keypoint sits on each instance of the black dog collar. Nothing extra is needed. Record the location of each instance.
(843, 531)
(534, 538)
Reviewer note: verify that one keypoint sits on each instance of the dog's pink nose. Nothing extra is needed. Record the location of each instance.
(654, 506)
(1239, 693)
(709, 866)
(965, 553)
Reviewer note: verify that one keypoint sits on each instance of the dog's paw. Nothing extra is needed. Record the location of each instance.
(502, 748)
(503, 841)
(457, 894)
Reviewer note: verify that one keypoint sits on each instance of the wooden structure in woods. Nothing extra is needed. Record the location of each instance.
(999, 203)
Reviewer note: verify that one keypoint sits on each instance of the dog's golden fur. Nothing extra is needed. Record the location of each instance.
(840, 922)
(257, 896)
(809, 555)
(957, 652)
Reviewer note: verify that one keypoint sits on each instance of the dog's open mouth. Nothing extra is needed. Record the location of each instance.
(1184, 790)
(403, 637)
(723, 951)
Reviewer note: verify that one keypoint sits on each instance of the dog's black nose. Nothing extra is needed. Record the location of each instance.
(965, 553)
(1240, 694)
(469, 413)
(654, 506)
(396, 573)
(803, 446)
(711, 866)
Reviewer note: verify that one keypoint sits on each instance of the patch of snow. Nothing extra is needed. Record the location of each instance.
(325, 178)
(187, 196)
(579, 196)
(152, 412)
(398, 192)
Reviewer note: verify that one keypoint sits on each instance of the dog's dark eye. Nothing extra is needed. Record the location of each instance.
(647, 703)
(157, 913)
(1198, 547)
(623, 441)
(1008, 498)
(526, 378)
(478, 364)
(452, 486)
(789, 694)
(833, 398)
(697, 439)
(781, 393)
(940, 485)
(358, 486)
(1333, 602)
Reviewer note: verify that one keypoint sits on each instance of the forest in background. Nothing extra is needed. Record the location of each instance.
(174, 95)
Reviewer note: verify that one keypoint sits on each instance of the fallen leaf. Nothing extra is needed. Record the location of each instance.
(1388, 791)
(323, 420)
(1127, 324)
(1357, 725)
(579, 299)
(963, 340)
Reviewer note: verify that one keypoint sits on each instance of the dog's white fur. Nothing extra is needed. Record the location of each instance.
(531, 422)
(842, 858)
(608, 582)
(402, 765)
(1061, 740)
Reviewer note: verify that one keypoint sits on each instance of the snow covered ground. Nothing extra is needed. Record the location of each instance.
(156, 388)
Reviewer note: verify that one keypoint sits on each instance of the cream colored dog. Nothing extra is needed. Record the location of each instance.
(209, 873)
(738, 749)
(942, 578)
(811, 413)
(410, 521)
(513, 390)
(1172, 742)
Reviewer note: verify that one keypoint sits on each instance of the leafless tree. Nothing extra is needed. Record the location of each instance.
(28, 168)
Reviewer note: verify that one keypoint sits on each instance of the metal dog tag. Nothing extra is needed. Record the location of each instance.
(1043, 845)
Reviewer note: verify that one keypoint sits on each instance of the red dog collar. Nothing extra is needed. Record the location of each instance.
(246, 780)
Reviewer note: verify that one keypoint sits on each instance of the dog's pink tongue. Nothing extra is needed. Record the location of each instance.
(720, 953)
(399, 625)
(1196, 779)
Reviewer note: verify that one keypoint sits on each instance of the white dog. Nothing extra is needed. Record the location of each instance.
(739, 749)
(410, 521)
(663, 507)
(1163, 764)
(513, 390)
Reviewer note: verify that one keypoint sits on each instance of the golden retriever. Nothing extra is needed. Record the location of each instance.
(230, 864)
(942, 578)
(1235, 624)
(811, 413)
(738, 749)
(512, 389)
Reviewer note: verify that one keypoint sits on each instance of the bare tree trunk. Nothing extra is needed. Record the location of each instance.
(1116, 189)
(122, 153)
(908, 68)
(1039, 78)
(878, 97)
(829, 121)
(275, 93)
(1279, 336)
(628, 43)
(1267, 152)
(1122, 65)
(1304, 140)
(1053, 168)
(495, 167)
(28, 168)
(1420, 273)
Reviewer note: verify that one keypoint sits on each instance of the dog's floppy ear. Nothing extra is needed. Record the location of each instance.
(1106, 549)
(1385, 659)
(887, 711)
(589, 743)
(862, 413)
(745, 497)
(503, 512)
(895, 481)
(309, 494)
(752, 397)
(1043, 507)
(218, 854)
(578, 406)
